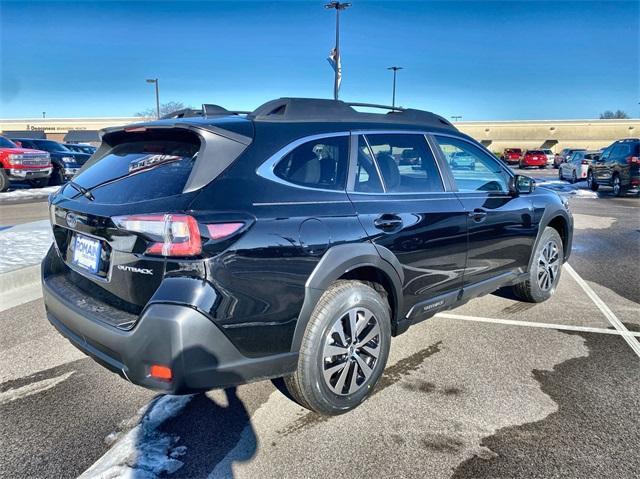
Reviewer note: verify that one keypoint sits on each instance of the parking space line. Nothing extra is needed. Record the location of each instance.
(533, 324)
(602, 306)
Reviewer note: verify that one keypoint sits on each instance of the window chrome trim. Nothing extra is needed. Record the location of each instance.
(266, 169)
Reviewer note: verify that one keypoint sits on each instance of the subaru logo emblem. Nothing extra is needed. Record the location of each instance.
(72, 220)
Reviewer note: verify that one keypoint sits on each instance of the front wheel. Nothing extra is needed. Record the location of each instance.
(344, 349)
(560, 177)
(56, 178)
(544, 273)
(4, 181)
(591, 182)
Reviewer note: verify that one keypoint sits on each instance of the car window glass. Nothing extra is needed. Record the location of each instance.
(367, 178)
(621, 150)
(406, 163)
(318, 163)
(479, 172)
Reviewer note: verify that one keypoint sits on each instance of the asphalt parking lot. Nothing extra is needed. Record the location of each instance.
(496, 388)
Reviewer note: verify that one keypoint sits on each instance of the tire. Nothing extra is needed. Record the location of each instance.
(321, 385)
(618, 190)
(39, 183)
(591, 181)
(4, 181)
(56, 178)
(560, 177)
(574, 179)
(542, 167)
(520, 165)
(543, 275)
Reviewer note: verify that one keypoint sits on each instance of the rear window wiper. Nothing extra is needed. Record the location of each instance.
(85, 192)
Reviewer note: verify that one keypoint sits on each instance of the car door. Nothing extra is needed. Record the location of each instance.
(405, 209)
(501, 225)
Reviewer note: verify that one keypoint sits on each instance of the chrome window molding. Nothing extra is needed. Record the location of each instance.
(266, 169)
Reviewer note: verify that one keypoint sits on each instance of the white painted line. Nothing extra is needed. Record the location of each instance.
(602, 306)
(33, 388)
(532, 324)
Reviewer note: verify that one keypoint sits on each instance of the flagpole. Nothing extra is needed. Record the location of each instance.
(337, 63)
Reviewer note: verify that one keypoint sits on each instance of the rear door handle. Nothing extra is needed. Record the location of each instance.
(388, 222)
(477, 214)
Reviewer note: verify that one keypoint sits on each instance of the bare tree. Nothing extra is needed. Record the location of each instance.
(613, 115)
(165, 109)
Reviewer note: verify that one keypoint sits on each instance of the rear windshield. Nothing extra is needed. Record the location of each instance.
(141, 170)
(535, 152)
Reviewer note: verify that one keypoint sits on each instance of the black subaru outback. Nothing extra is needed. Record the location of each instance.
(215, 248)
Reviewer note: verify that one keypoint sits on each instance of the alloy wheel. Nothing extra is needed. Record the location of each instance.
(616, 185)
(548, 265)
(351, 351)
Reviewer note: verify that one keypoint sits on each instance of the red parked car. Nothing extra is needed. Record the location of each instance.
(512, 155)
(534, 158)
(23, 164)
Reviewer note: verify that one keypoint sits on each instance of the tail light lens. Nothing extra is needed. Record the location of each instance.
(220, 231)
(584, 162)
(171, 234)
(633, 160)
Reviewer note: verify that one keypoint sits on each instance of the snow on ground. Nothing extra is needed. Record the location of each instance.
(567, 189)
(143, 452)
(27, 193)
(24, 245)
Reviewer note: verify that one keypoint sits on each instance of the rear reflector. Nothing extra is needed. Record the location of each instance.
(172, 234)
(222, 230)
(633, 160)
(160, 372)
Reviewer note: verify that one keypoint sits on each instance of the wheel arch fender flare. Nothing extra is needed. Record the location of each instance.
(551, 217)
(337, 261)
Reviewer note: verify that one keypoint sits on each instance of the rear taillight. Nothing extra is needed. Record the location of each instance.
(633, 160)
(171, 234)
(584, 162)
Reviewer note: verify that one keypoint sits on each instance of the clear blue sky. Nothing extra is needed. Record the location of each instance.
(482, 60)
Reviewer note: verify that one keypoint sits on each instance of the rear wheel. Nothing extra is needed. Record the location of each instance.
(344, 349)
(591, 181)
(617, 185)
(545, 270)
(574, 178)
(4, 181)
(560, 177)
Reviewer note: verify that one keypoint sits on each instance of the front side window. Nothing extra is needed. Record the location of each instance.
(318, 163)
(405, 162)
(479, 171)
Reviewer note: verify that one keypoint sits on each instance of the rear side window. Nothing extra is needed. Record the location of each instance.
(621, 150)
(480, 171)
(318, 163)
(141, 170)
(405, 162)
(367, 177)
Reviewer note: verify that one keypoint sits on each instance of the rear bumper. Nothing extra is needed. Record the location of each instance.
(200, 356)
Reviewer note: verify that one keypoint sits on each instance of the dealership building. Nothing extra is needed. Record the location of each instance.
(495, 135)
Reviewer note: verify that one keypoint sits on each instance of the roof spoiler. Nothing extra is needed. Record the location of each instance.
(207, 111)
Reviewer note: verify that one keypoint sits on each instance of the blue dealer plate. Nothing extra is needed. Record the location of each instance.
(86, 253)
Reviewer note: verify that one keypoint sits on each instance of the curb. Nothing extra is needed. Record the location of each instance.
(19, 286)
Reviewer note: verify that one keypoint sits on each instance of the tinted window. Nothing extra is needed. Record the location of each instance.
(4, 143)
(621, 150)
(406, 163)
(142, 170)
(367, 178)
(317, 164)
(485, 174)
(50, 146)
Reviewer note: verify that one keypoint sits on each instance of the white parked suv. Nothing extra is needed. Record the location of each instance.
(577, 166)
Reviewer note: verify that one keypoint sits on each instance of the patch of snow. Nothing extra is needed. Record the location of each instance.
(24, 245)
(577, 190)
(33, 388)
(27, 193)
(143, 452)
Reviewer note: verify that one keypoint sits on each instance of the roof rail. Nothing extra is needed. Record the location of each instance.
(207, 111)
(317, 109)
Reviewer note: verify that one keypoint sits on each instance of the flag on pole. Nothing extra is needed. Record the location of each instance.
(334, 61)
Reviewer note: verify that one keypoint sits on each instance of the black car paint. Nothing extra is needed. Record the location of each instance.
(610, 164)
(258, 289)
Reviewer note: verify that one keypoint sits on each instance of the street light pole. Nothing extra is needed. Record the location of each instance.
(155, 80)
(337, 67)
(395, 70)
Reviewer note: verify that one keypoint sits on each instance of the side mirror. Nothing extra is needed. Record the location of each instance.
(520, 184)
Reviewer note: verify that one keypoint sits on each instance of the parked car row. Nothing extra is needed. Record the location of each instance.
(577, 167)
(40, 162)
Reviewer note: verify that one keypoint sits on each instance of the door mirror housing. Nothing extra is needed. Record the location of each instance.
(521, 184)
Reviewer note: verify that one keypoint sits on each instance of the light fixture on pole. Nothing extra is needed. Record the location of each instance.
(456, 117)
(334, 56)
(395, 71)
(44, 114)
(155, 80)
